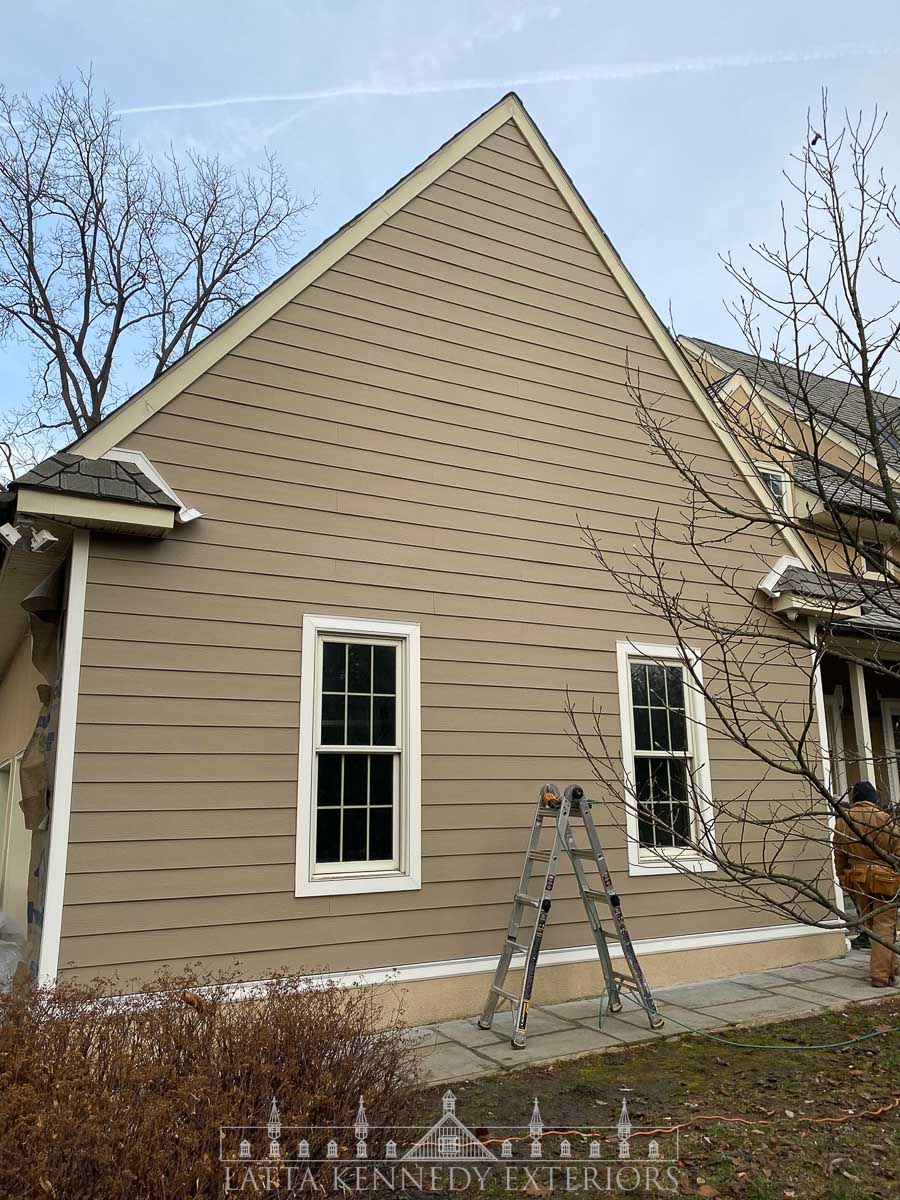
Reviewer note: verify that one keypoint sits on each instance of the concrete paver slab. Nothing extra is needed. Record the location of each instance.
(705, 995)
(762, 1008)
(804, 972)
(547, 1046)
(467, 1032)
(457, 1050)
(849, 988)
(448, 1061)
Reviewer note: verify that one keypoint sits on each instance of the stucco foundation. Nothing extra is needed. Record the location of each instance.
(425, 1001)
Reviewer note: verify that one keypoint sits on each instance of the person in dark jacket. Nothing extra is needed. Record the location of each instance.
(861, 840)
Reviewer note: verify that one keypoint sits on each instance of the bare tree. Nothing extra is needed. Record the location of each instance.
(109, 257)
(827, 297)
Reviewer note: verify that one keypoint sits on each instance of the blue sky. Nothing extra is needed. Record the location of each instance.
(674, 121)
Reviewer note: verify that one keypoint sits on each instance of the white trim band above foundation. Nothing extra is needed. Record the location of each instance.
(454, 967)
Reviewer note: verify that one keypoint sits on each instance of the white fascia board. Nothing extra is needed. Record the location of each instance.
(770, 581)
(114, 428)
(140, 460)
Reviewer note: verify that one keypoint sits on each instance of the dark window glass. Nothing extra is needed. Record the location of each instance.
(657, 677)
(359, 668)
(329, 788)
(328, 835)
(661, 781)
(678, 728)
(642, 728)
(381, 782)
(381, 833)
(675, 687)
(359, 720)
(356, 778)
(384, 723)
(659, 724)
(385, 670)
(354, 839)
(639, 682)
(355, 792)
(333, 720)
(334, 662)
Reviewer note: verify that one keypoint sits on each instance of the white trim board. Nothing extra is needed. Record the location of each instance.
(406, 875)
(61, 803)
(654, 862)
(131, 415)
(454, 968)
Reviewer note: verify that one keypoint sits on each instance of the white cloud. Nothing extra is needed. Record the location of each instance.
(584, 74)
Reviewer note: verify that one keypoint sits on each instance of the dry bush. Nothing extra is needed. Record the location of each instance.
(109, 1100)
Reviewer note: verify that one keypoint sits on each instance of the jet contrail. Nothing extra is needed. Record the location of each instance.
(586, 74)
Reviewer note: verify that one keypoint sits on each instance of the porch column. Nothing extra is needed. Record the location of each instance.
(861, 722)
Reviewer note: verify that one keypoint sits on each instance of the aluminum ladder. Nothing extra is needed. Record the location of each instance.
(562, 810)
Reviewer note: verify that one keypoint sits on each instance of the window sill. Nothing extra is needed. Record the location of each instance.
(662, 866)
(357, 885)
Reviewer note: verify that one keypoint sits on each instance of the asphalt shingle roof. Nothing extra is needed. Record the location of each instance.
(880, 606)
(838, 489)
(99, 478)
(838, 403)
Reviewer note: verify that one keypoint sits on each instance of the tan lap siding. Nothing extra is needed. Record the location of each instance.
(413, 438)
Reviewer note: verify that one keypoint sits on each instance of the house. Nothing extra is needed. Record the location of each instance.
(820, 471)
(302, 643)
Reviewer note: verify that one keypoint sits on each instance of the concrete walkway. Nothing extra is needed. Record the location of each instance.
(457, 1050)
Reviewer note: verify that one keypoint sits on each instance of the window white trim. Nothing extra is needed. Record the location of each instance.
(643, 861)
(772, 468)
(405, 873)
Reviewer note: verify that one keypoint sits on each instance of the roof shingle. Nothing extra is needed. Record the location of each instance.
(99, 478)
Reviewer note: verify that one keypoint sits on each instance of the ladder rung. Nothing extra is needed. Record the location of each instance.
(539, 855)
(595, 895)
(583, 854)
(521, 898)
(510, 996)
(517, 946)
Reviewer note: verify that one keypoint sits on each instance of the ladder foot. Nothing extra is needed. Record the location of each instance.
(518, 1043)
(657, 1022)
(615, 1006)
(482, 1024)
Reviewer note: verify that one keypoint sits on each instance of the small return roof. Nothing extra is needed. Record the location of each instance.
(838, 402)
(97, 478)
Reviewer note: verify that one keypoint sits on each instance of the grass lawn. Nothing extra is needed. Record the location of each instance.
(792, 1143)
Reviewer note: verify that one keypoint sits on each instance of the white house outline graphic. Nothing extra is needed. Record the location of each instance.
(449, 1139)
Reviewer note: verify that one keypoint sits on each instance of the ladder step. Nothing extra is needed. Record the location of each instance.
(510, 996)
(521, 898)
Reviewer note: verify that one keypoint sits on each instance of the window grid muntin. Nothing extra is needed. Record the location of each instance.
(393, 751)
(683, 757)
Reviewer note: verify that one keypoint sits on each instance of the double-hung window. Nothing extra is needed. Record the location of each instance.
(359, 770)
(665, 760)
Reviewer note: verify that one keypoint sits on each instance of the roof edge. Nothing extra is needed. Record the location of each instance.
(158, 392)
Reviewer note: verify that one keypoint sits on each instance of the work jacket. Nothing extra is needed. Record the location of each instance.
(858, 865)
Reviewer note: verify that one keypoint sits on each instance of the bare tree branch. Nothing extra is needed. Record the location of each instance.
(108, 257)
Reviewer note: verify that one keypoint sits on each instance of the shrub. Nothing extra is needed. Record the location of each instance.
(111, 1099)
